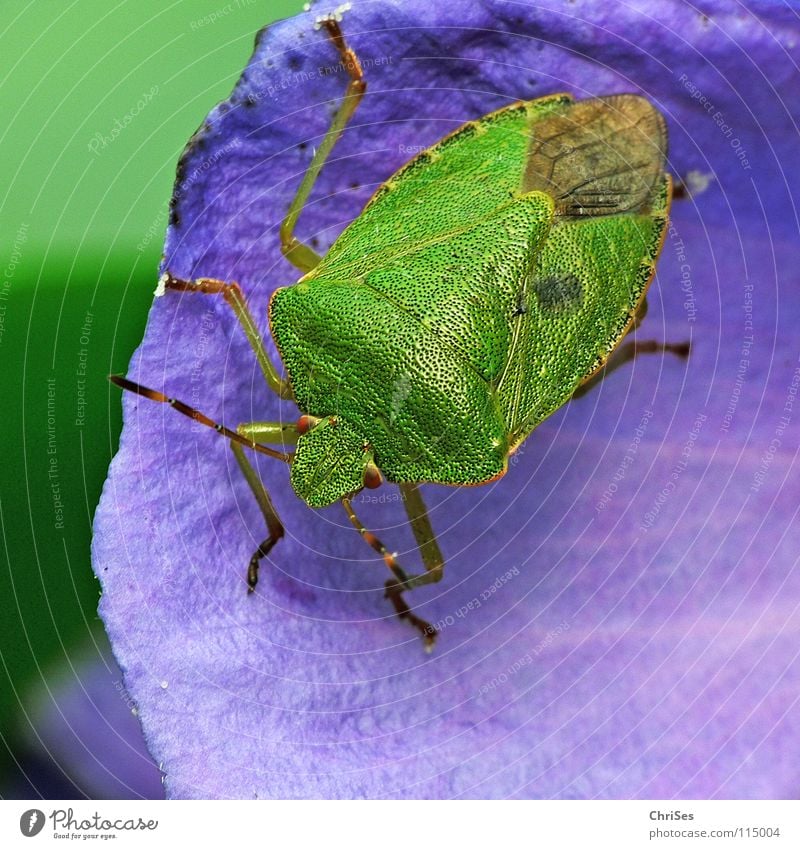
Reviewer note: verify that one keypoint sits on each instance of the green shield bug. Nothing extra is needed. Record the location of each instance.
(482, 286)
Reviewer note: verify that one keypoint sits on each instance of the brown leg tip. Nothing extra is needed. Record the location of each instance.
(429, 638)
(252, 575)
(394, 593)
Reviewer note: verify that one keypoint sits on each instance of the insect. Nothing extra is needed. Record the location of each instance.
(486, 283)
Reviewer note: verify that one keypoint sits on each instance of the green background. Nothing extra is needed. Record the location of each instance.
(82, 227)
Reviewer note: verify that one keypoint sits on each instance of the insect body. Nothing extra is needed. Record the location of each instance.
(480, 287)
(435, 299)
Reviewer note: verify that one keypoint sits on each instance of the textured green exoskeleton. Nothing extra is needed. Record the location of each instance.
(480, 287)
(473, 295)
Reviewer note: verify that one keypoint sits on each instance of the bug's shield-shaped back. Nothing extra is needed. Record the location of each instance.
(480, 286)
(602, 156)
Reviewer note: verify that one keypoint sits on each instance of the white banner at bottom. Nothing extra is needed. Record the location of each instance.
(403, 824)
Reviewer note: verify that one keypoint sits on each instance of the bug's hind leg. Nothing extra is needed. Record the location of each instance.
(630, 350)
(627, 352)
(234, 297)
(296, 252)
(431, 556)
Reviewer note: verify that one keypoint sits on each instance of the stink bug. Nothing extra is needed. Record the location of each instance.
(482, 286)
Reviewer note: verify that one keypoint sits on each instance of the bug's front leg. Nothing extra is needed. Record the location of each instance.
(275, 433)
(431, 557)
(299, 254)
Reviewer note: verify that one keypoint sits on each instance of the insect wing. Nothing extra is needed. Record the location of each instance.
(602, 161)
(602, 156)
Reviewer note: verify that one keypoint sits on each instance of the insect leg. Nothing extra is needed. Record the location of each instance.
(640, 314)
(249, 435)
(274, 524)
(295, 251)
(425, 537)
(394, 587)
(679, 190)
(630, 350)
(234, 297)
(271, 433)
(627, 352)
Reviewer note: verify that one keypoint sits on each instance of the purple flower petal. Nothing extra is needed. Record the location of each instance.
(619, 612)
(87, 735)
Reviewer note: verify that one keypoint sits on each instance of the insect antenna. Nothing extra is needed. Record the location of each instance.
(197, 416)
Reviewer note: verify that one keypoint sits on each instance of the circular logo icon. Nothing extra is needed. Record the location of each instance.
(31, 822)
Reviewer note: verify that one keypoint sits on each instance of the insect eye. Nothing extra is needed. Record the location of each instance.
(305, 423)
(372, 476)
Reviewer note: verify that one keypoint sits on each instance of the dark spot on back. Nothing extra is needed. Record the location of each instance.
(558, 292)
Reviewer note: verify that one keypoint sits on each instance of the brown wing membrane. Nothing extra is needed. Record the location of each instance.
(600, 156)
